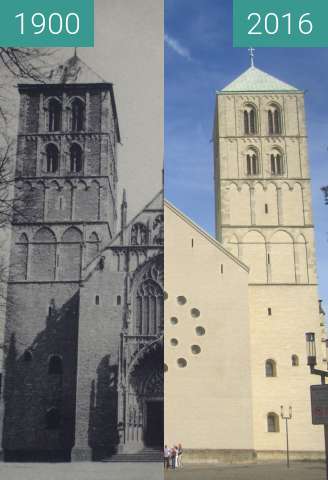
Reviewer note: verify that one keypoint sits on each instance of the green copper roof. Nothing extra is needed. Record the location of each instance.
(255, 80)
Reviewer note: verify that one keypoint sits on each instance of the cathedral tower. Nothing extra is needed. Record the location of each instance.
(66, 183)
(263, 216)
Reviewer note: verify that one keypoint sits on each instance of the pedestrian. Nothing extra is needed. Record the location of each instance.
(166, 457)
(173, 455)
(180, 451)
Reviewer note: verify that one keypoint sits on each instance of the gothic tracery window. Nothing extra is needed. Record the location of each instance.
(150, 309)
(158, 229)
(52, 155)
(54, 115)
(139, 234)
(78, 114)
(252, 163)
(274, 120)
(250, 120)
(76, 158)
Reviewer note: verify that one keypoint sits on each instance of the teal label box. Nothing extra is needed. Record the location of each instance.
(280, 23)
(47, 23)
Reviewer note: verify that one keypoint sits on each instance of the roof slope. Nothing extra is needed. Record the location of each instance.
(255, 80)
(74, 71)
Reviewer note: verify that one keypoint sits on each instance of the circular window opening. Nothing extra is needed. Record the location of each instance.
(196, 349)
(165, 367)
(195, 313)
(182, 362)
(174, 342)
(181, 300)
(174, 320)
(200, 331)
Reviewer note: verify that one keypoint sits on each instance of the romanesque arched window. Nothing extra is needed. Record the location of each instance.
(295, 361)
(76, 162)
(54, 115)
(250, 120)
(139, 234)
(276, 163)
(78, 115)
(270, 368)
(274, 120)
(55, 365)
(252, 163)
(52, 154)
(272, 422)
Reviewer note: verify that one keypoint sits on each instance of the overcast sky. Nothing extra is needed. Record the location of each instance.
(200, 59)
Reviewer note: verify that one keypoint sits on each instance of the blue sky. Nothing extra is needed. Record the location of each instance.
(200, 59)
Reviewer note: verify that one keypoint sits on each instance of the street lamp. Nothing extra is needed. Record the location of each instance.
(311, 350)
(286, 418)
(312, 361)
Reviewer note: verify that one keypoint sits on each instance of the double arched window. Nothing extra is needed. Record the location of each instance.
(250, 120)
(78, 115)
(52, 154)
(270, 368)
(76, 162)
(139, 234)
(276, 163)
(252, 163)
(274, 120)
(54, 115)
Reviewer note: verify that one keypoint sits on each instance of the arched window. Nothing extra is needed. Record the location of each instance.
(78, 110)
(55, 365)
(250, 120)
(76, 158)
(149, 312)
(276, 163)
(295, 361)
(270, 368)
(274, 120)
(139, 234)
(158, 230)
(55, 113)
(252, 163)
(52, 158)
(52, 419)
(28, 357)
(272, 422)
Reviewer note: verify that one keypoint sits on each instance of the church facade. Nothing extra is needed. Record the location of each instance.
(235, 333)
(84, 324)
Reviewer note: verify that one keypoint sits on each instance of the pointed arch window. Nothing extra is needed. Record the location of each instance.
(252, 163)
(276, 163)
(274, 120)
(250, 120)
(139, 234)
(52, 154)
(150, 311)
(78, 115)
(76, 162)
(54, 115)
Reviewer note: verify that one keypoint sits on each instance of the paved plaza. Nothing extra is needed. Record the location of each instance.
(81, 471)
(297, 471)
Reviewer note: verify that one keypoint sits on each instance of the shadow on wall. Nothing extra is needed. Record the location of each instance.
(103, 432)
(40, 389)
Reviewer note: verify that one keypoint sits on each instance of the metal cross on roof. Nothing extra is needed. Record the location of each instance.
(252, 55)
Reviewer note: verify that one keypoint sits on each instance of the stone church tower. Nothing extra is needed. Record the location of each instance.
(84, 321)
(264, 217)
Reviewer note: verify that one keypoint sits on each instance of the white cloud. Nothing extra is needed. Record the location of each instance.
(176, 46)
